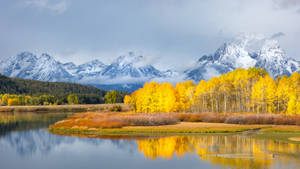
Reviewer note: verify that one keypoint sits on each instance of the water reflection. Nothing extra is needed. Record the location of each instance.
(24, 143)
(230, 151)
(25, 121)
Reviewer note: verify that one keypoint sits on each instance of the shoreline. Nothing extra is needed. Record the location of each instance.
(61, 108)
(278, 132)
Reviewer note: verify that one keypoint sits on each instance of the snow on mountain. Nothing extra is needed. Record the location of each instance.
(131, 71)
(128, 70)
(243, 52)
(130, 67)
(48, 69)
(19, 66)
(28, 66)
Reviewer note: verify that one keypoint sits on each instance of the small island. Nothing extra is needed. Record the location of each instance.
(252, 104)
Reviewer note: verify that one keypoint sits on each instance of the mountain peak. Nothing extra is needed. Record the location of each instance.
(244, 51)
(94, 62)
(129, 58)
(25, 56)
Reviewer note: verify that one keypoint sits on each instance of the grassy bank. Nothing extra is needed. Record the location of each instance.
(63, 108)
(175, 129)
(98, 124)
(273, 132)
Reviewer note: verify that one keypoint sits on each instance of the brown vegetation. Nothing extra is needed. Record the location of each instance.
(114, 120)
(66, 108)
(240, 118)
(97, 120)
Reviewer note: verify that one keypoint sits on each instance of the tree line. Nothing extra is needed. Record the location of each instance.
(45, 99)
(242, 90)
(14, 91)
(33, 87)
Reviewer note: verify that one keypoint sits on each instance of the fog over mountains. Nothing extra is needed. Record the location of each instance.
(128, 72)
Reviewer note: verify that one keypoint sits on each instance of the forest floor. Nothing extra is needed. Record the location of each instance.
(62, 108)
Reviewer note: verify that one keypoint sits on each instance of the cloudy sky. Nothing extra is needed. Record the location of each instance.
(170, 33)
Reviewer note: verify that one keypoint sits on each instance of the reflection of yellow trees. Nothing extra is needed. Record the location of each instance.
(228, 151)
(165, 147)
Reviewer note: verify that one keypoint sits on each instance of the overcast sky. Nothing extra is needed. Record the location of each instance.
(170, 33)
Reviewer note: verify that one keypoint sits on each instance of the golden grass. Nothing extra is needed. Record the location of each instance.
(180, 128)
(62, 108)
(283, 128)
(96, 120)
(294, 138)
(108, 123)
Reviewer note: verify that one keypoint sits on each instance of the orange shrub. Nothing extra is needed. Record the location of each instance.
(115, 120)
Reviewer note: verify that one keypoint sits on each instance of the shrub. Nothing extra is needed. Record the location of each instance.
(13, 101)
(115, 108)
(201, 117)
(146, 119)
(263, 119)
(114, 120)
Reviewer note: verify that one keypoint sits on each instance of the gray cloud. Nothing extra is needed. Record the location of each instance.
(277, 35)
(287, 4)
(170, 33)
(57, 6)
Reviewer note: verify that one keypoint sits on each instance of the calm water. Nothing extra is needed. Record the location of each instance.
(25, 144)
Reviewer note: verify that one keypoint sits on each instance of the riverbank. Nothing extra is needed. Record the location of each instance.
(284, 133)
(95, 124)
(63, 108)
(180, 128)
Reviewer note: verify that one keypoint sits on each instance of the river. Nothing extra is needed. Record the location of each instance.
(26, 144)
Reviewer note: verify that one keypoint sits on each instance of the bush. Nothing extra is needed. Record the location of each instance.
(201, 117)
(146, 119)
(263, 119)
(13, 102)
(115, 108)
(114, 120)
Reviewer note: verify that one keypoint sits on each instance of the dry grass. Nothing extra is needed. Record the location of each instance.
(192, 126)
(114, 120)
(64, 108)
(128, 123)
(180, 128)
(240, 118)
(263, 119)
(294, 138)
(283, 128)
(202, 117)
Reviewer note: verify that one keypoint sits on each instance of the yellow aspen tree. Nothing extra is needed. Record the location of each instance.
(282, 93)
(184, 92)
(200, 99)
(264, 94)
(294, 94)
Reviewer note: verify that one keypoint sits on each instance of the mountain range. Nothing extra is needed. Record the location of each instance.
(128, 72)
(243, 52)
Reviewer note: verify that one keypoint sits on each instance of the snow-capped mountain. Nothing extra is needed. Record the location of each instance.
(131, 66)
(28, 66)
(130, 71)
(243, 52)
(125, 72)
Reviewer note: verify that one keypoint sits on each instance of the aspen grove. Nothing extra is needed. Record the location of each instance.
(242, 90)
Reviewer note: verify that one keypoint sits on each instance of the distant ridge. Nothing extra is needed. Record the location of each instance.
(246, 50)
(130, 71)
(127, 71)
(33, 87)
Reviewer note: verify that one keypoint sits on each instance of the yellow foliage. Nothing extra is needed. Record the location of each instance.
(242, 90)
(13, 101)
(127, 99)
